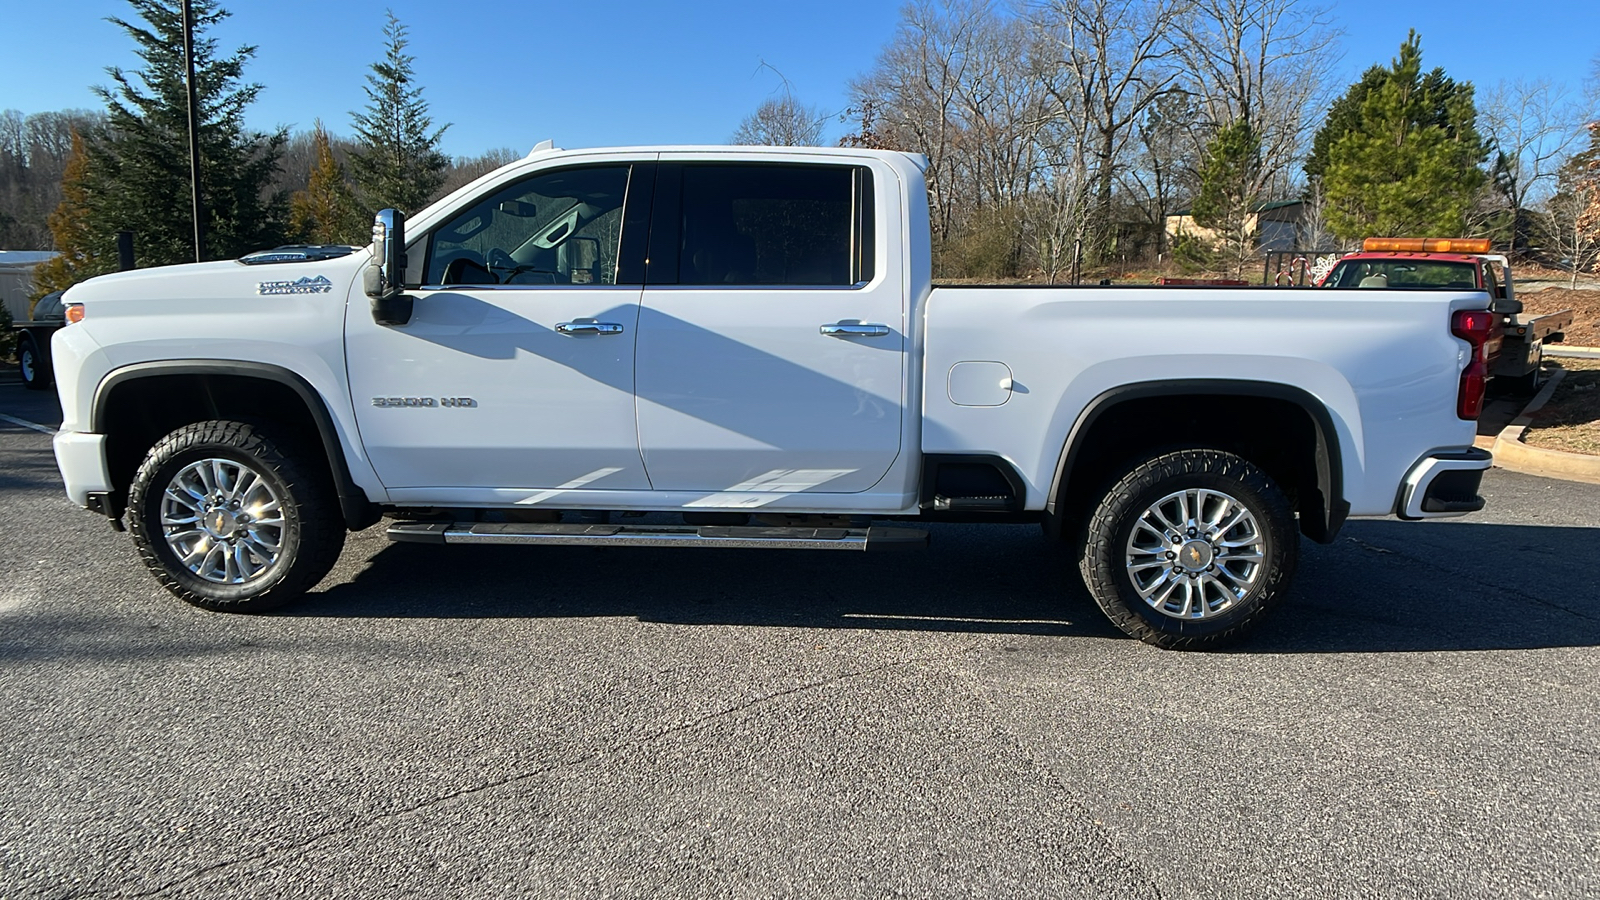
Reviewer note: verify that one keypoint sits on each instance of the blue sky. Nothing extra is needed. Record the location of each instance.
(604, 72)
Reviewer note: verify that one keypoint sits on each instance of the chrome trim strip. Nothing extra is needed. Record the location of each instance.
(1422, 474)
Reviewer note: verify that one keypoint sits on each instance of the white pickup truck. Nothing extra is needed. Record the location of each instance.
(749, 341)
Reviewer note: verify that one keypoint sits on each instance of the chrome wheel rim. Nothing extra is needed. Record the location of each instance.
(223, 521)
(1195, 553)
(25, 362)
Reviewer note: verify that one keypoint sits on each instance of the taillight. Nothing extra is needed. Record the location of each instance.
(74, 312)
(1476, 327)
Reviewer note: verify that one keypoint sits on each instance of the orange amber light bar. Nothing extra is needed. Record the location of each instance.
(1426, 245)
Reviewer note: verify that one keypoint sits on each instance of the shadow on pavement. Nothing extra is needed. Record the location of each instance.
(42, 407)
(31, 471)
(1384, 586)
(974, 580)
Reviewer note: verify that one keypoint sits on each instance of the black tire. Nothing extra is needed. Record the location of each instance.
(1110, 556)
(309, 536)
(35, 377)
(1528, 383)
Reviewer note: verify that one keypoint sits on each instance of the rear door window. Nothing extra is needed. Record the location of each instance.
(752, 224)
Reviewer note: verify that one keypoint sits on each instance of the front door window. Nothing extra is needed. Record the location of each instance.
(562, 228)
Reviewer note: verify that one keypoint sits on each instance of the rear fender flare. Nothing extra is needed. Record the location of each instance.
(1321, 517)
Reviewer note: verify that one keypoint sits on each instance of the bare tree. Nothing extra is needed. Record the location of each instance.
(1578, 245)
(1002, 107)
(1591, 90)
(467, 169)
(1265, 62)
(1059, 211)
(1314, 233)
(781, 121)
(33, 155)
(913, 92)
(1534, 126)
(957, 84)
(1164, 168)
(1112, 60)
(1574, 210)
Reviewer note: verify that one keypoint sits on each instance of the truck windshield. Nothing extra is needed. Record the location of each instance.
(1403, 273)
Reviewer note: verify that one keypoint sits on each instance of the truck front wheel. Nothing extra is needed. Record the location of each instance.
(1190, 550)
(229, 521)
(35, 377)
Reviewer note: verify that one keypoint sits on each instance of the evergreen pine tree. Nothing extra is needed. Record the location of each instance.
(326, 212)
(1410, 161)
(1230, 178)
(1344, 116)
(138, 175)
(399, 164)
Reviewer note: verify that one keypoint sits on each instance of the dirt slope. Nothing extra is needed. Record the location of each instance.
(1585, 328)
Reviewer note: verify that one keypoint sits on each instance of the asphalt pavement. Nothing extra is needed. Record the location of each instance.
(1419, 720)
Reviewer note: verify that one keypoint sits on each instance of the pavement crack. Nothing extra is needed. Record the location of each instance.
(1064, 793)
(360, 824)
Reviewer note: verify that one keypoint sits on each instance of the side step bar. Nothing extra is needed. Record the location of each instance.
(874, 538)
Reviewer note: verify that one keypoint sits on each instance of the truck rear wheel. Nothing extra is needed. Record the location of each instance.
(230, 522)
(1190, 550)
(35, 377)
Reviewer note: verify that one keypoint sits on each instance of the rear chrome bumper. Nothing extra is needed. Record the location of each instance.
(1444, 483)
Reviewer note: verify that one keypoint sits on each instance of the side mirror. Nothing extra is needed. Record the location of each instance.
(384, 280)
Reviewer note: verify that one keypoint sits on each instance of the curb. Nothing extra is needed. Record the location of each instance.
(1511, 454)
(1560, 350)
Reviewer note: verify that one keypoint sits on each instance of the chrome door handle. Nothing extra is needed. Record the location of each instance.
(852, 329)
(588, 326)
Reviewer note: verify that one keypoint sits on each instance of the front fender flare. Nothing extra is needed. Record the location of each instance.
(358, 509)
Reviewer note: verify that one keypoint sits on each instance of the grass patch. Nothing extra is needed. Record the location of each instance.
(1571, 420)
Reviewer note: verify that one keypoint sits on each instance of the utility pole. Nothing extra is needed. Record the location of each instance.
(194, 131)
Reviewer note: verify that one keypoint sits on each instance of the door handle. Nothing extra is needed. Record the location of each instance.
(854, 329)
(588, 326)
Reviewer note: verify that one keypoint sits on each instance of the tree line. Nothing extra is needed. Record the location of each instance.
(1059, 134)
(1061, 131)
(70, 181)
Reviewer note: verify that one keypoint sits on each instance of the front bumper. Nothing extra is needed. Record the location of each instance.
(1444, 483)
(81, 458)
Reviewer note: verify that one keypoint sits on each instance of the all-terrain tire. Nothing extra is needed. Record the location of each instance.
(255, 543)
(1145, 582)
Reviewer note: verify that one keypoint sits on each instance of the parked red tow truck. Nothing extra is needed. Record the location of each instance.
(1464, 264)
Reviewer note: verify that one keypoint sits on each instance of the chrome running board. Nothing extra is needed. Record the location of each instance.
(731, 536)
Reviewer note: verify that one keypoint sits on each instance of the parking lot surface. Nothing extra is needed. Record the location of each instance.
(1419, 720)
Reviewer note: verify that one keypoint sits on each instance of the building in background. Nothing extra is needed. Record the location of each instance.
(16, 279)
(1275, 223)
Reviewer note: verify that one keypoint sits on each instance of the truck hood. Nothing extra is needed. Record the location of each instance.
(223, 280)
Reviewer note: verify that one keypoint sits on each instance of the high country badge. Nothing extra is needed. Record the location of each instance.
(307, 285)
